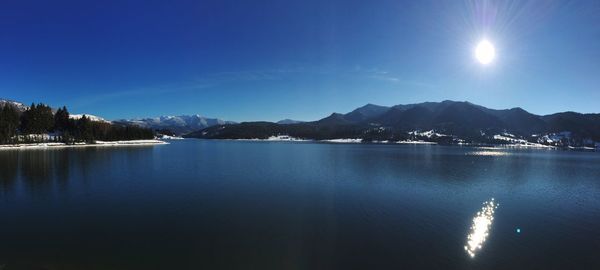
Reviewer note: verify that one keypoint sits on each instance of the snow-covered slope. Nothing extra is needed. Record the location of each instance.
(91, 117)
(20, 106)
(182, 124)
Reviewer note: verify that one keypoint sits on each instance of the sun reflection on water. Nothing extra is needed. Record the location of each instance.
(482, 222)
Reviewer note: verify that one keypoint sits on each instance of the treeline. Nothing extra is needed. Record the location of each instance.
(263, 130)
(39, 124)
(323, 131)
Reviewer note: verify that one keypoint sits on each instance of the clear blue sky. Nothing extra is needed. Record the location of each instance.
(269, 60)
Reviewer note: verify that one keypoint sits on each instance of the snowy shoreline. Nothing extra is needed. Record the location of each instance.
(52, 145)
(285, 138)
(420, 142)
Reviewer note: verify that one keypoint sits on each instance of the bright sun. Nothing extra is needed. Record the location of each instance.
(485, 52)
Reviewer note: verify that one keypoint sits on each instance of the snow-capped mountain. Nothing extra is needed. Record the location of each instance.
(20, 106)
(179, 125)
(89, 116)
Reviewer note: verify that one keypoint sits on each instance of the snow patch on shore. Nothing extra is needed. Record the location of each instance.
(285, 138)
(509, 138)
(514, 141)
(343, 141)
(415, 142)
(428, 134)
(167, 137)
(53, 145)
(278, 138)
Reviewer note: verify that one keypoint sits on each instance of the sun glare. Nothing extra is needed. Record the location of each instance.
(482, 222)
(485, 52)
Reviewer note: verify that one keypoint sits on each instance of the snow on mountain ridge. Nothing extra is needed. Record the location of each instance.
(20, 106)
(89, 116)
(181, 124)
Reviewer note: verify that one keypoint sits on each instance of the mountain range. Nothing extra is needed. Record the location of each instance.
(452, 121)
(443, 122)
(179, 125)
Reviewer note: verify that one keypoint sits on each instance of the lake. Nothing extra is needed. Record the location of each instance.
(200, 204)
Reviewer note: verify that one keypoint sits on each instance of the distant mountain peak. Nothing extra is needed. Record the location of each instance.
(181, 124)
(365, 112)
(371, 105)
(333, 119)
(518, 109)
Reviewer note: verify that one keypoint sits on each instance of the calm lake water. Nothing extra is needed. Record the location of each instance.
(197, 204)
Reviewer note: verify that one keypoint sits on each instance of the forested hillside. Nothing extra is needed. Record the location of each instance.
(38, 123)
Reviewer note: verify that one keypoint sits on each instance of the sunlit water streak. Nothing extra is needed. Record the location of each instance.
(488, 153)
(482, 222)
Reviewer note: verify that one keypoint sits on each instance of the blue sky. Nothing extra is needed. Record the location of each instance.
(269, 60)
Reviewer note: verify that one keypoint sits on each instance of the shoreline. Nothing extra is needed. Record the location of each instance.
(333, 141)
(55, 145)
(359, 141)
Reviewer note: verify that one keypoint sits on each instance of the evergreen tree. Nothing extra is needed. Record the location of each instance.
(46, 118)
(9, 123)
(38, 119)
(26, 125)
(85, 130)
(61, 119)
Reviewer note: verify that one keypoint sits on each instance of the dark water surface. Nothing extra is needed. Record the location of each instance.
(198, 204)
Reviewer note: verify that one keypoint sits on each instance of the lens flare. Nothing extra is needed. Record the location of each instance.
(482, 222)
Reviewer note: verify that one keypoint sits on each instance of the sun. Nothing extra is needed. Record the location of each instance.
(485, 52)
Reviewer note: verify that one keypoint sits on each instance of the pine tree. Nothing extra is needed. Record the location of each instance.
(84, 127)
(61, 119)
(27, 120)
(37, 119)
(9, 123)
(46, 118)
